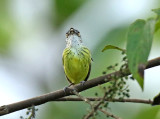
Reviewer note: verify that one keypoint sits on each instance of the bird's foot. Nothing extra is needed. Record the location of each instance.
(82, 83)
(66, 87)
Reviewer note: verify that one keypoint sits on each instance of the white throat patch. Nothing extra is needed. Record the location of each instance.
(74, 41)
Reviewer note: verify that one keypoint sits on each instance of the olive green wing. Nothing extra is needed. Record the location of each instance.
(88, 72)
(88, 52)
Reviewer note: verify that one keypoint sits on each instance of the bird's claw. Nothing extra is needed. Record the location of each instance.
(82, 83)
(66, 87)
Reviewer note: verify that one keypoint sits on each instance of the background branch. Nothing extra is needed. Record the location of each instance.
(6, 109)
(113, 100)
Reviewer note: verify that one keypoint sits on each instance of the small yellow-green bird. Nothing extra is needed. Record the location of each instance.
(76, 58)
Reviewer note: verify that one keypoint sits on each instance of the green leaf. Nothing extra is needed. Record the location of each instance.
(107, 47)
(139, 41)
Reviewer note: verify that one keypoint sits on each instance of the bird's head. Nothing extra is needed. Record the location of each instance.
(73, 38)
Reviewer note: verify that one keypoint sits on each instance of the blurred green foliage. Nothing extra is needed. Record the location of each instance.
(148, 113)
(63, 9)
(157, 11)
(67, 110)
(6, 27)
(4, 40)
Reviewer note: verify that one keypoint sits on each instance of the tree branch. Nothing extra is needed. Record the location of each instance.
(6, 109)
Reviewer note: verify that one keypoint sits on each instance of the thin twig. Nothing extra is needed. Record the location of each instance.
(95, 108)
(85, 100)
(82, 98)
(32, 112)
(109, 114)
(6, 109)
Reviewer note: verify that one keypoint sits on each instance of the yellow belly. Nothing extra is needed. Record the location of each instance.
(76, 66)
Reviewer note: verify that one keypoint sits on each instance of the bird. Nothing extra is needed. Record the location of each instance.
(76, 58)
